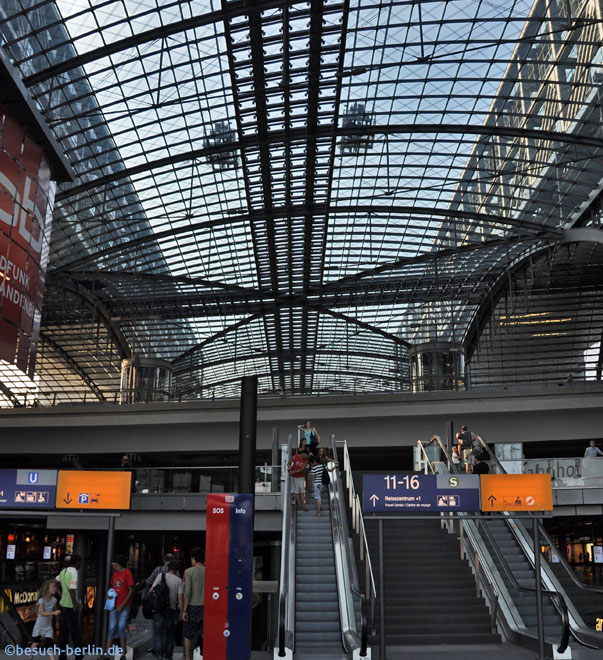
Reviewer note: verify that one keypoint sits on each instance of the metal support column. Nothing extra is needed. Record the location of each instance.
(449, 436)
(247, 434)
(538, 577)
(108, 560)
(276, 461)
(99, 601)
(381, 595)
(80, 547)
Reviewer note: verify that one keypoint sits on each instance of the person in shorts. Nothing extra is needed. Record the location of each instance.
(47, 609)
(192, 610)
(320, 468)
(123, 583)
(298, 468)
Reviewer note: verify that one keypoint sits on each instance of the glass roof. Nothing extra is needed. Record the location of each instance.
(303, 190)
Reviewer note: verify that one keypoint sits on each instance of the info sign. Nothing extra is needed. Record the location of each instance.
(402, 493)
(27, 489)
(228, 576)
(517, 492)
(93, 489)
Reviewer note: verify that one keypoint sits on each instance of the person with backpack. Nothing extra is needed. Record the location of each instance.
(150, 581)
(166, 600)
(465, 439)
(123, 584)
(311, 435)
(298, 467)
(321, 466)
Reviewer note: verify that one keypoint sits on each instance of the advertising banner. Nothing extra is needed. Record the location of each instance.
(26, 204)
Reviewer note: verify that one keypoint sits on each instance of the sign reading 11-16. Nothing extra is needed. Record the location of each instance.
(394, 493)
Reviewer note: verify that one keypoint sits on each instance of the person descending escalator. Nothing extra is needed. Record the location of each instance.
(321, 465)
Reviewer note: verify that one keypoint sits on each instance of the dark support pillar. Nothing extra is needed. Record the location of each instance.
(108, 572)
(538, 577)
(381, 594)
(99, 602)
(449, 436)
(247, 433)
(80, 547)
(276, 462)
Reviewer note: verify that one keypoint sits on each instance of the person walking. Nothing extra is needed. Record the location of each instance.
(298, 467)
(311, 435)
(162, 568)
(465, 438)
(70, 607)
(192, 609)
(164, 622)
(320, 469)
(46, 609)
(592, 451)
(480, 466)
(123, 584)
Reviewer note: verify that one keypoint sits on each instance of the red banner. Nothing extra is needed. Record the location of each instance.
(26, 204)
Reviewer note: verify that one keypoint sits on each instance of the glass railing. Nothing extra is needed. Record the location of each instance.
(565, 472)
(211, 479)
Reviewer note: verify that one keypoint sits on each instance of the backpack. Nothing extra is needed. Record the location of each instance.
(160, 596)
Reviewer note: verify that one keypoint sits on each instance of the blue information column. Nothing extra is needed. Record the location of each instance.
(228, 577)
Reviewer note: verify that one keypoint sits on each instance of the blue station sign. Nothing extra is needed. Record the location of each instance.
(28, 489)
(420, 493)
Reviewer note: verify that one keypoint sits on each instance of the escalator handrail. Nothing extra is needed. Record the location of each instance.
(340, 540)
(362, 536)
(542, 530)
(15, 616)
(286, 576)
(554, 595)
(363, 623)
(423, 447)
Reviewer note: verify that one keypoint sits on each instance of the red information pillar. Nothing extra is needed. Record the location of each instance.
(228, 577)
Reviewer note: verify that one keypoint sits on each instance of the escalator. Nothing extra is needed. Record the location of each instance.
(317, 618)
(321, 611)
(503, 547)
(12, 628)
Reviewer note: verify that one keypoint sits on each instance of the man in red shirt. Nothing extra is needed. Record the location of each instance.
(298, 467)
(123, 583)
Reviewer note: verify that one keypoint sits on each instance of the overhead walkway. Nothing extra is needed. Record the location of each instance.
(500, 551)
(321, 610)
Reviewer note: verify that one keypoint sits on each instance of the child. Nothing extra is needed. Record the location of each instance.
(46, 607)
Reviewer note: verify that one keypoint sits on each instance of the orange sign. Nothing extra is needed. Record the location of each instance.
(516, 492)
(93, 490)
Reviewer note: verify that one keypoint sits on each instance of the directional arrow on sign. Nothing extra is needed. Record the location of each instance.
(67, 499)
(374, 498)
(492, 499)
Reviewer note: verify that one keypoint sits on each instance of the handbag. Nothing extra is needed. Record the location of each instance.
(110, 602)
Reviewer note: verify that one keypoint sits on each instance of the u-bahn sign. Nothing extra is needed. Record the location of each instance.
(27, 489)
(420, 493)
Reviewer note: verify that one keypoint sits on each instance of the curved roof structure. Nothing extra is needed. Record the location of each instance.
(305, 190)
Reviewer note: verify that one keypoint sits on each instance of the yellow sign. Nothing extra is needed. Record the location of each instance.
(90, 489)
(516, 492)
